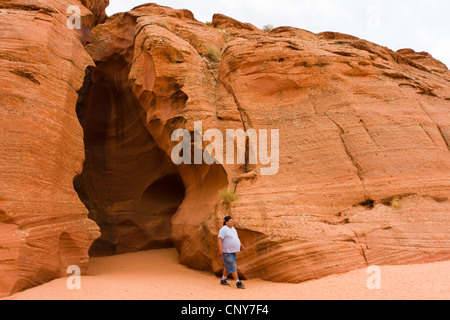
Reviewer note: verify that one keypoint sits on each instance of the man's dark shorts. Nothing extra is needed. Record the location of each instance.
(229, 261)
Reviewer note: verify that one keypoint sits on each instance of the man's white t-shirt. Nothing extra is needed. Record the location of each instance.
(231, 242)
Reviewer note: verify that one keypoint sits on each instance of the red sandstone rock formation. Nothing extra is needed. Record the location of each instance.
(364, 146)
(43, 224)
(359, 125)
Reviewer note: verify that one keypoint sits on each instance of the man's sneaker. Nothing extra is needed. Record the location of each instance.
(240, 285)
(224, 283)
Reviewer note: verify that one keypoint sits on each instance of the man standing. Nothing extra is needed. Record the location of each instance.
(229, 245)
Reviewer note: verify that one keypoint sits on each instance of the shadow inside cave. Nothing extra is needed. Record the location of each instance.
(129, 185)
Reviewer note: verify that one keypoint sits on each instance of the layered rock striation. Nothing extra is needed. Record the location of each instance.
(364, 134)
(364, 172)
(43, 224)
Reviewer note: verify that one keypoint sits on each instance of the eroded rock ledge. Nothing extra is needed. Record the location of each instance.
(364, 146)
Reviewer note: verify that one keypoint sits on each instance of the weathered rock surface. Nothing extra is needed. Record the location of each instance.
(43, 224)
(364, 172)
(359, 125)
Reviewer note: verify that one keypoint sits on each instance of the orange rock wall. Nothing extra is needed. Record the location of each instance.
(364, 134)
(364, 172)
(43, 224)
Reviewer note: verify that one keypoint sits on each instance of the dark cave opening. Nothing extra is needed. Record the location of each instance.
(145, 223)
(129, 185)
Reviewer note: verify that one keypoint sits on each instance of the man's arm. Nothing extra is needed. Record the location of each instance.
(219, 242)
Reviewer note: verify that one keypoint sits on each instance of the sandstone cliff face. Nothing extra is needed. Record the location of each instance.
(364, 132)
(43, 225)
(364, 172)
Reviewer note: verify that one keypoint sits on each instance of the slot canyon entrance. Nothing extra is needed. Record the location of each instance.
(129, 185)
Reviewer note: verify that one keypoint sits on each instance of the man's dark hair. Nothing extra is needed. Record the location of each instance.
(228, 218)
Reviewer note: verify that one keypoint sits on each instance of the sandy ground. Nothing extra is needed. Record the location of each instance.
(157, 275)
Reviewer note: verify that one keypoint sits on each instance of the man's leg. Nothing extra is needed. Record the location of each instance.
(229, 261)
(224, 278)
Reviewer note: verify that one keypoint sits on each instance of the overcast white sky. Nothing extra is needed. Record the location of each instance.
(420, 25)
